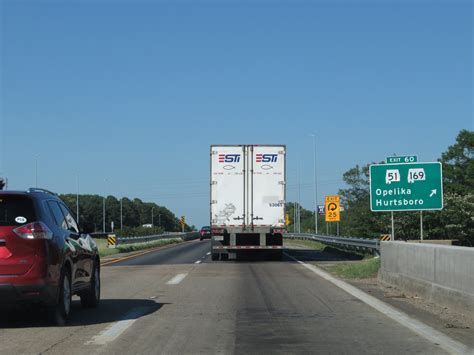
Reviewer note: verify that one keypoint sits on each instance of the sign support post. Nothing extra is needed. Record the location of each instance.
(421, 225)
(392, 237)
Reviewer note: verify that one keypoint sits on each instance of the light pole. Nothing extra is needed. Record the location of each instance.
(103, 207)
(121, 215)
(315, 188)
(36, 170)
(298, 213)
(77, 198)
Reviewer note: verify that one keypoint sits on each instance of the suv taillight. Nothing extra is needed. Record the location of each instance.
(35, 230)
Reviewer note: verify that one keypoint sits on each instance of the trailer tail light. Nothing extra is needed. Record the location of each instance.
(217, 231)
(279, 230)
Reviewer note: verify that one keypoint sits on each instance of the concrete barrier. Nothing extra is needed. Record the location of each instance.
(438, 273)
(435, 241)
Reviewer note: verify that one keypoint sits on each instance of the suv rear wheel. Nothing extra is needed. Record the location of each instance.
(60, 311)
(91, 297)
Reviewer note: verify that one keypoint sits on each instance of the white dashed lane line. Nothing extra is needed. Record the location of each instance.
(197, 262)
(114, 330)
(177, 279)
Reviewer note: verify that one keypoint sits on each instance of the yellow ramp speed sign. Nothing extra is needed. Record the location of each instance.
(333, 209)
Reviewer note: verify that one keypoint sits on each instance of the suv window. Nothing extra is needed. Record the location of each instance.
(16, 210)
(58, 215)
(69, 219)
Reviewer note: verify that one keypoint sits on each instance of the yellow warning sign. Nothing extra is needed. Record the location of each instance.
(333, 209)
(111, 241)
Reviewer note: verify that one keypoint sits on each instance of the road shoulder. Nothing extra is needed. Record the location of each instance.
(456, 325)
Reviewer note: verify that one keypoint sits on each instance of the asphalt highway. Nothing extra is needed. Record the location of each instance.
(178, 301)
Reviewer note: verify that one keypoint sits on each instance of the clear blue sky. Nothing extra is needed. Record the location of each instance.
(136, 92)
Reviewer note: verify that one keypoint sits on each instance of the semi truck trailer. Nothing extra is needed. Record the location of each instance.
(247, 207)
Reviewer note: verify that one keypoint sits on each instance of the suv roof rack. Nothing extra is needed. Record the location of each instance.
(37, 189)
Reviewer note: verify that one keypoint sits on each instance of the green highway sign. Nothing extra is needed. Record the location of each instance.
(406, 187)
(402, 159)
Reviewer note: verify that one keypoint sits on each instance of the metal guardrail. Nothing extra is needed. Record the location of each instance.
(344, 242)
(152, 238)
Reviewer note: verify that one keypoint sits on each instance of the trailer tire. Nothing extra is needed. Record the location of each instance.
(215, 256)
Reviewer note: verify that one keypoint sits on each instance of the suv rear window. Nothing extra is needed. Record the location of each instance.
(16, 210)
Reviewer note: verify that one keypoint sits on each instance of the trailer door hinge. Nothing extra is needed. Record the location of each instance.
(213, 201)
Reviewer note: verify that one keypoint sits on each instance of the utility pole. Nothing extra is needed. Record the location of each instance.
(152, 225)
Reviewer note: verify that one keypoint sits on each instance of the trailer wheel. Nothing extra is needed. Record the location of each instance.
(215, 256)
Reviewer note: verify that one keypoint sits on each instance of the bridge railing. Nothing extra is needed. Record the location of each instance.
(361, 244)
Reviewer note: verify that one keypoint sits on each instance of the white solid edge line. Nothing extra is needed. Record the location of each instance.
(116, 329)
(177, 279)
(450, 345)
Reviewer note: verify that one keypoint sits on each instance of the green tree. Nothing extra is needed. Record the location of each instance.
(135, 213)
(458, 164)
(455, 221)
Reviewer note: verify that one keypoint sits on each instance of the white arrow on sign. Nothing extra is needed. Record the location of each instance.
(433, 192)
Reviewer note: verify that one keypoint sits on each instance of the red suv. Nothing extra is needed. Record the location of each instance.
(44, 258)
(205, 233)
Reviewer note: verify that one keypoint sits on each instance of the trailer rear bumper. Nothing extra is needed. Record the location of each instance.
(247, 247)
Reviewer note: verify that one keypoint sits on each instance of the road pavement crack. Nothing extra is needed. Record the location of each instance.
(67, 337)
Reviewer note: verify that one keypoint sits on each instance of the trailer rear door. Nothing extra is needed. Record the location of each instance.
(227, 186)
(267, 200)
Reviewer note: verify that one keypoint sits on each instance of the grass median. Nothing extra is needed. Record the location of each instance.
(306, 243)
(126, 248)
(365, 268)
